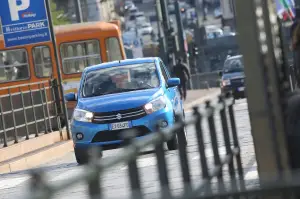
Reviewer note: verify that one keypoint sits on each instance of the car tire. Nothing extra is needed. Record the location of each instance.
(173, 143)
(81, 156)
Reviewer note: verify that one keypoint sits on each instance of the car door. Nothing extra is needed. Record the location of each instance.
(171, 92)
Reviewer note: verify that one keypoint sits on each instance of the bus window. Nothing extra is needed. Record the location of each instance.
(113, 50)
(14, 65)
(78, 55)
(42, 61)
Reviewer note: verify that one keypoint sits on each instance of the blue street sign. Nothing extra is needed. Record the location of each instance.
(136, 43)
(24, 22)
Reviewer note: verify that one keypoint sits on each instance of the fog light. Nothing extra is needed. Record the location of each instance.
(79, 136)
(163, 124)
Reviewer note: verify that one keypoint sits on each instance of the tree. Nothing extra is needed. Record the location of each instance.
(58, 17)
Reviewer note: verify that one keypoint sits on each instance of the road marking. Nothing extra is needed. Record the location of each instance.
(67, 174)
(151, 161)
(144, 162)
(8, 183)
(209, 153)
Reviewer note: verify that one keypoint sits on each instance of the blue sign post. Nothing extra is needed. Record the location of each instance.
(24, 22)
(29, 22)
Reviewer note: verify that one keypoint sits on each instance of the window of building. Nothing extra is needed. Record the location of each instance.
(42, 61)
(113, 50)
(78, 55)
(14, 65)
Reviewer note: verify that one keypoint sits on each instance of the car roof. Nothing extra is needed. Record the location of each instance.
(121, 63)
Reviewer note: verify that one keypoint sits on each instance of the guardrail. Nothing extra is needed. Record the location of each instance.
(205, 80)
(28, 110)
(41, 188)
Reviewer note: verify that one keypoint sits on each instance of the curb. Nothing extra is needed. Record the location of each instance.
(200, 100)
(36, 158)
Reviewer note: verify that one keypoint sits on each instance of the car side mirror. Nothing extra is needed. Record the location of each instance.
(71, 97)
(220, 73)
(172, 82)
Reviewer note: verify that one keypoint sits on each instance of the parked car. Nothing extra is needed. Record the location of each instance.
(145, 28)
(218, 13)
(233, 77)
(129, 5)
(213, 32)
(136, 94)
(132, 11)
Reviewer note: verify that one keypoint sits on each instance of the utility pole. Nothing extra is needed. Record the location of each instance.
(162, 49)
(200, 38)
(182, 38)
(180, 32)
(78, 11)
(58, 67)
(166, 26)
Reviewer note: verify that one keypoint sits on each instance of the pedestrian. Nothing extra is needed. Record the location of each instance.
(182, 72)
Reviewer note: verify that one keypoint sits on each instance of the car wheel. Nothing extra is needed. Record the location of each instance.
(81, 156)
(173, 143)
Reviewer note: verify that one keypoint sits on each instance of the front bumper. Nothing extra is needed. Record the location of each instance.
(100, 135)
(236, 91)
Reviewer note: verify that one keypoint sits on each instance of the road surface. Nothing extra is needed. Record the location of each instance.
(115, 182)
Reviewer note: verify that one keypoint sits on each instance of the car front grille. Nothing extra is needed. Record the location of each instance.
(107, 136)
(237, 82)
(119, 116)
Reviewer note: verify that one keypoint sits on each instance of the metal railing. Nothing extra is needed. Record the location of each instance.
(28, 110)
(205, 80)
(41, 188)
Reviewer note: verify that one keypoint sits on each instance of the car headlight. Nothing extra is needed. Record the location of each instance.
(155, 105)
(82, 115)
(226, 82)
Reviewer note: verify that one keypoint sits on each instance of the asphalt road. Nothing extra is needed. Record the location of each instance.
(115, 182)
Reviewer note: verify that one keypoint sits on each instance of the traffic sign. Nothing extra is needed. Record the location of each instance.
(136, 43)
(24, 22)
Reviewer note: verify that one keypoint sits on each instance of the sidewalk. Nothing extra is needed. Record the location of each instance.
(195, 97)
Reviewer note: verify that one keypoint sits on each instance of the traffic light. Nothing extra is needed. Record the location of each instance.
(195, 50)
(171, 41)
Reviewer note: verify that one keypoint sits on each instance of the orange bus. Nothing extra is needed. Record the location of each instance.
(79, 46)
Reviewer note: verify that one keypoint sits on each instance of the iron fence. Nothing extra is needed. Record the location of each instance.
(41, 188)
(28, 110)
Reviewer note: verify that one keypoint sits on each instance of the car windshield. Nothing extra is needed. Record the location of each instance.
(234, 65)
(120, 79)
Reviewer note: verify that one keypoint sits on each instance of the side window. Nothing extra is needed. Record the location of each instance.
(113, 50)
(78, 55)
(14, 65)
(42, 61)
(163, 71)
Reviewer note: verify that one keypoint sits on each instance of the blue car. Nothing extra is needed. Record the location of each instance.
(233, 77)
(128, 94)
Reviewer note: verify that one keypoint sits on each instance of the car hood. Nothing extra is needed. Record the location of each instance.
(234, 75)
(118, 101)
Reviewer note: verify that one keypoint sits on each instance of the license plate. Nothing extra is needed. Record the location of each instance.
(120, 125)
(241, 88)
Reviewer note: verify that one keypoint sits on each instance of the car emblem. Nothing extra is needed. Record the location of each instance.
(119, 116)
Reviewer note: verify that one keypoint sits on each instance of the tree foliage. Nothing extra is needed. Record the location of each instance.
(58, 17)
